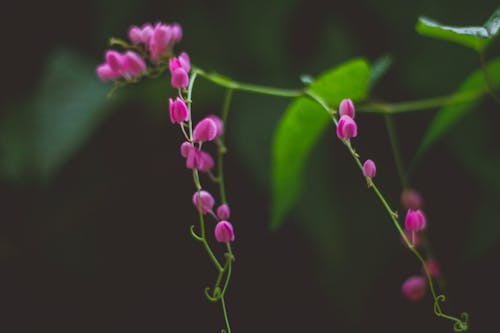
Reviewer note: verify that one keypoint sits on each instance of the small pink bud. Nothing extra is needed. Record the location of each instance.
(205, 130)
(135, 34)
(346, 108)
(178, 110)
(414, 288)
(159, 43)
(223, 212)
(105, 73)
(411, 199)
(224, 232)
(180, 78)
(176, 32)
(433, 268)
(114, 60)
(203, 201)
(346, 128)
(182, 61)
(413, 237)
(369, 169)
(146, 33)
(133, 64)
(218, 124)
(415, 220)
(192, 158)
(199, 160)
(186, 148)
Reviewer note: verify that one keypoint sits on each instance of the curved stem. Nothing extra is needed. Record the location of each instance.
(224, 310)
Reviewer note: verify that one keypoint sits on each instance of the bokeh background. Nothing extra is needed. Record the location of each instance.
(95, 200)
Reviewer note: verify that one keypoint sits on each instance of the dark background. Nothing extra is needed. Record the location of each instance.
(95, 237)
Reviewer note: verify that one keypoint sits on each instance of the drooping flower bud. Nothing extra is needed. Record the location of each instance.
(346, 108)
(147, 33)
(411, 199)
(346, 128)
(133, 64)
(415, 220)
(203, 201)
(179, 111)
(105, 73)
(218, 124)
(186, 148)
(179, 78)
(205, 162)
(182, 61)
(224, 232)
(369, 169)
(135, 34)
(176, 32)
(414, 288)
(223, 212)
(433, 267)
(205, 130)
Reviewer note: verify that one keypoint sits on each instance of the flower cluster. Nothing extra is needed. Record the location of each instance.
(151, 46)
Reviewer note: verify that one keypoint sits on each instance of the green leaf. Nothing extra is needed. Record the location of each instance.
(39, 136)
(448, 116)
(378, 69)
(477, 37)
(302, 125)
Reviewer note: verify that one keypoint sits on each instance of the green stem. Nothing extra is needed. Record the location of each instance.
(222, 145)
(421, 104)
(224, 310)
(396, 151)
(230, 84)
(487, 78)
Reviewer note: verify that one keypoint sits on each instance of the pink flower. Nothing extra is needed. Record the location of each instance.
(346, 108)
(433, 267)
(179, 111)
(186, 148)
(369, 169)
(160, 42)
(346, 128)
(182, 61)
(203, 201)
(179, 79)
(133, 64)
(176, 32)
(114, 60)
(224, 232)
(218, 124)
(415, 220)
(205, 130)
(135, 34)
(223, 212)
(105, 73)
(411, 199)
(414, 288)
(199, 160)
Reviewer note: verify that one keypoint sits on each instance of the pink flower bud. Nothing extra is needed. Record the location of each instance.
(146, 33)
(176, 32)
(159, 43)
(135, 34)
(414, 288)
(218, 124)
(224, 232)
(346, 128)
(346, 108)
(433, 268)
(411, 199)
(415, 220)
(133, 64)
(199, 160)
(203, 201)
(105, 73)
(186, 148)
(114, 60)
(182, 61)
(223, 212)
(180, 78)
(413, 237)
(205, 130)
(369, 169)
(178, 110)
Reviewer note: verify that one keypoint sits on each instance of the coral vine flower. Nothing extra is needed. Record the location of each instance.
(346, 128)
(415, 220)
(179, 111)
(203, 201)
(346, 108)
(369, 169)
(205, 130)
(224, 232)
(414, 288)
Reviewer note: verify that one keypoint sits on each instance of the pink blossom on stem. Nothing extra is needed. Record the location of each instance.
(224, 232)
(369, 169)
(133, 64)
(160, 42)
(346, 128)
(114, 60)
(205, 130)
(105, 73)
(411, 199)
(346, 108)
(218, 124)
(179, 111)
(223, 212)
(415, 220)
(186, 148)
(433, 267)
(135, 34)
(203, 201)
(199, 160)
(176, 32)
(414, 288)
(179, 79)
